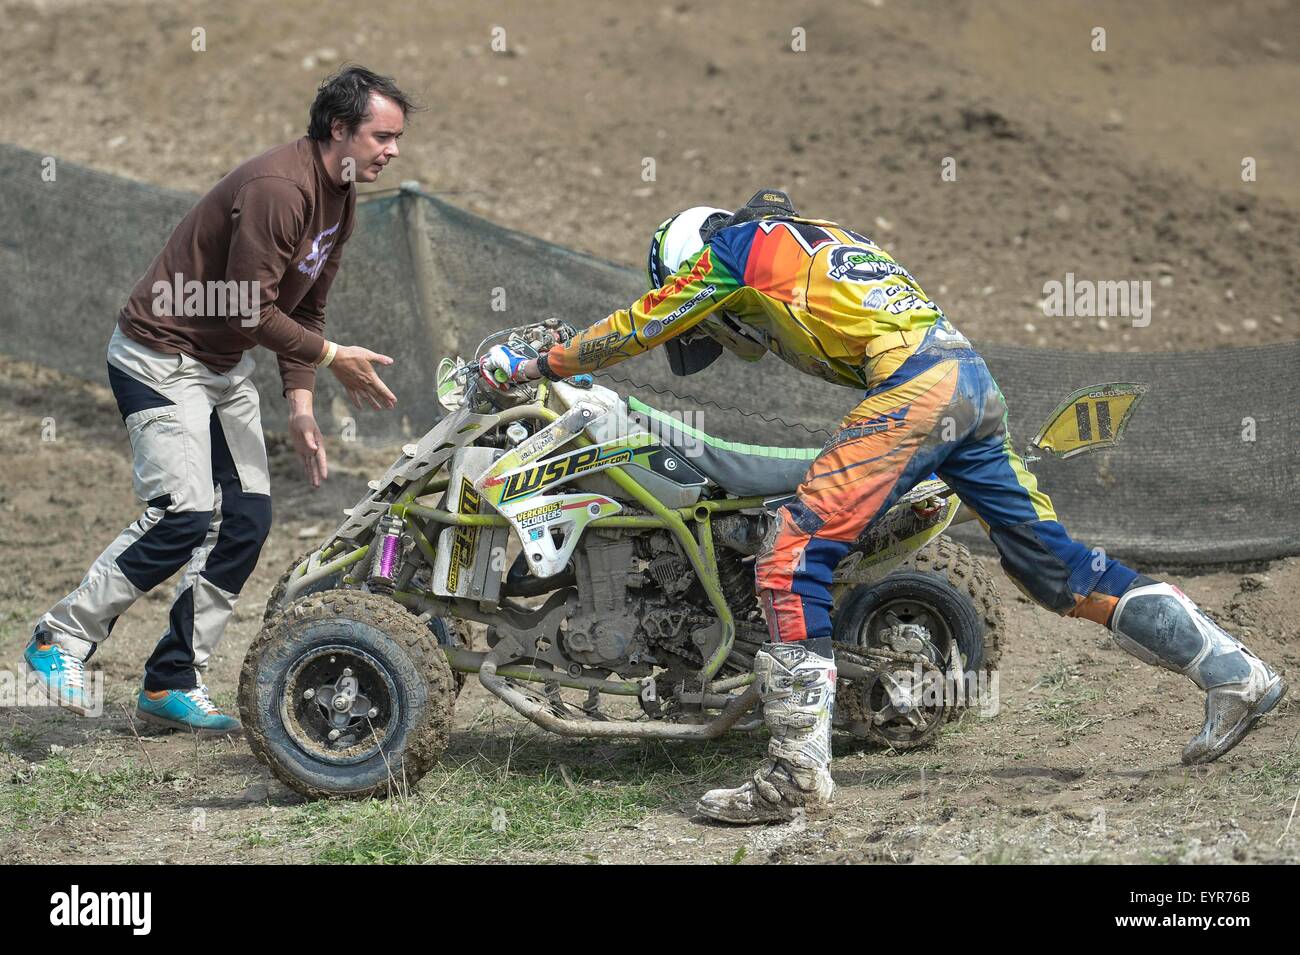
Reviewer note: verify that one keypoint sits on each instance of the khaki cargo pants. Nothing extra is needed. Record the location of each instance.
(200, 468)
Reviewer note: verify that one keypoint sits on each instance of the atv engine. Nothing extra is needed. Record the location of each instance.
(641, 602)
(604, 631)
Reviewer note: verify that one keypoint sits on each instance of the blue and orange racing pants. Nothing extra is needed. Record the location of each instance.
(939, 412)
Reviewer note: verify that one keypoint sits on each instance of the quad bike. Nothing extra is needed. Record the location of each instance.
(608, 548)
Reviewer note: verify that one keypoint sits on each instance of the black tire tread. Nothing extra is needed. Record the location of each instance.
(425, 743)
(966, 573)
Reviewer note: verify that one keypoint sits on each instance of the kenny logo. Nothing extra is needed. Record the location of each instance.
(103, 908)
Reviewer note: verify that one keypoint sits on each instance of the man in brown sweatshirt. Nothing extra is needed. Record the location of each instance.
(251, 264)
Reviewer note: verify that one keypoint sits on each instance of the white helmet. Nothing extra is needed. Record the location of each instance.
(677, 239)
(682, 236)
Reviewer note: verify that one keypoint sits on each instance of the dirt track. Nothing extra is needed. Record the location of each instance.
(1117, 165)
(1081, 762)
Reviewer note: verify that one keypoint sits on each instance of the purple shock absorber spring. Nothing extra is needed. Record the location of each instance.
(389, 556)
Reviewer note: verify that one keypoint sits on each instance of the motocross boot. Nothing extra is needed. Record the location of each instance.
(796, 683)
(1158, 624)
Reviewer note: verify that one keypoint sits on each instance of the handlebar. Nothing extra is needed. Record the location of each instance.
(528, 340)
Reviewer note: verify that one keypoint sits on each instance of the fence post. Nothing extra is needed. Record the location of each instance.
(415, 207)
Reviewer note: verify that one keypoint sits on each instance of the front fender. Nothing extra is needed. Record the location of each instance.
(418, 460)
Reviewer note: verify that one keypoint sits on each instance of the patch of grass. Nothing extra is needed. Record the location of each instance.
(966, 722)
(254, 838)
(55, 788)
(1279, 775)
(884, 778)
(1097, 857)
(21, 738)
(537, 800)
(1005, 853)
(1066, 700)
(1165, 855)
(15, 626)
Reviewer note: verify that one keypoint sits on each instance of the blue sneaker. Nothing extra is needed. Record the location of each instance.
(61, 672)
(185, 710)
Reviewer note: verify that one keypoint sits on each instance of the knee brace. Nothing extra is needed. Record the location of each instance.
(1158, 624)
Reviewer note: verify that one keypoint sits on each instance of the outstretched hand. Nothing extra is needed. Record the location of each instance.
(352, 367)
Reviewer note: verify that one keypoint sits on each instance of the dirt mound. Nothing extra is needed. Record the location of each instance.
(1122, 165)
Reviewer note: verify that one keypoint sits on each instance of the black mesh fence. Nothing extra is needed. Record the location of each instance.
(1209, 470)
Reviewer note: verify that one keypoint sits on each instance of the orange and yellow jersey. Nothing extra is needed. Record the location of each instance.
(809, 291)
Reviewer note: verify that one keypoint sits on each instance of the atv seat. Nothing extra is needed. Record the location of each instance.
(746, 470)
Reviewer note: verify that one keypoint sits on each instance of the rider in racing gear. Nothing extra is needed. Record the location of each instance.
(834, 304)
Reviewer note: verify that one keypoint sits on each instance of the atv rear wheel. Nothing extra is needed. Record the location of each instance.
(943, 596)
(967, 573)
(913, 607)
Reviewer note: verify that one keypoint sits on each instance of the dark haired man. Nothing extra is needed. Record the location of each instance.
(263, 247)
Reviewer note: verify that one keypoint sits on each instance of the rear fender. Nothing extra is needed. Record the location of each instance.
(1091, 419)
(921, 515)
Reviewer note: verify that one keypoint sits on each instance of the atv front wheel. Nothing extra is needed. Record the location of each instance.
(275, 602)
(344, 694)
(447, 633)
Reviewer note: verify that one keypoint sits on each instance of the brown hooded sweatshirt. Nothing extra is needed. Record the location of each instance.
(249, 265)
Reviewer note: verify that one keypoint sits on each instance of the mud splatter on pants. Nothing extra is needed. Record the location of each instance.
(939, 412)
